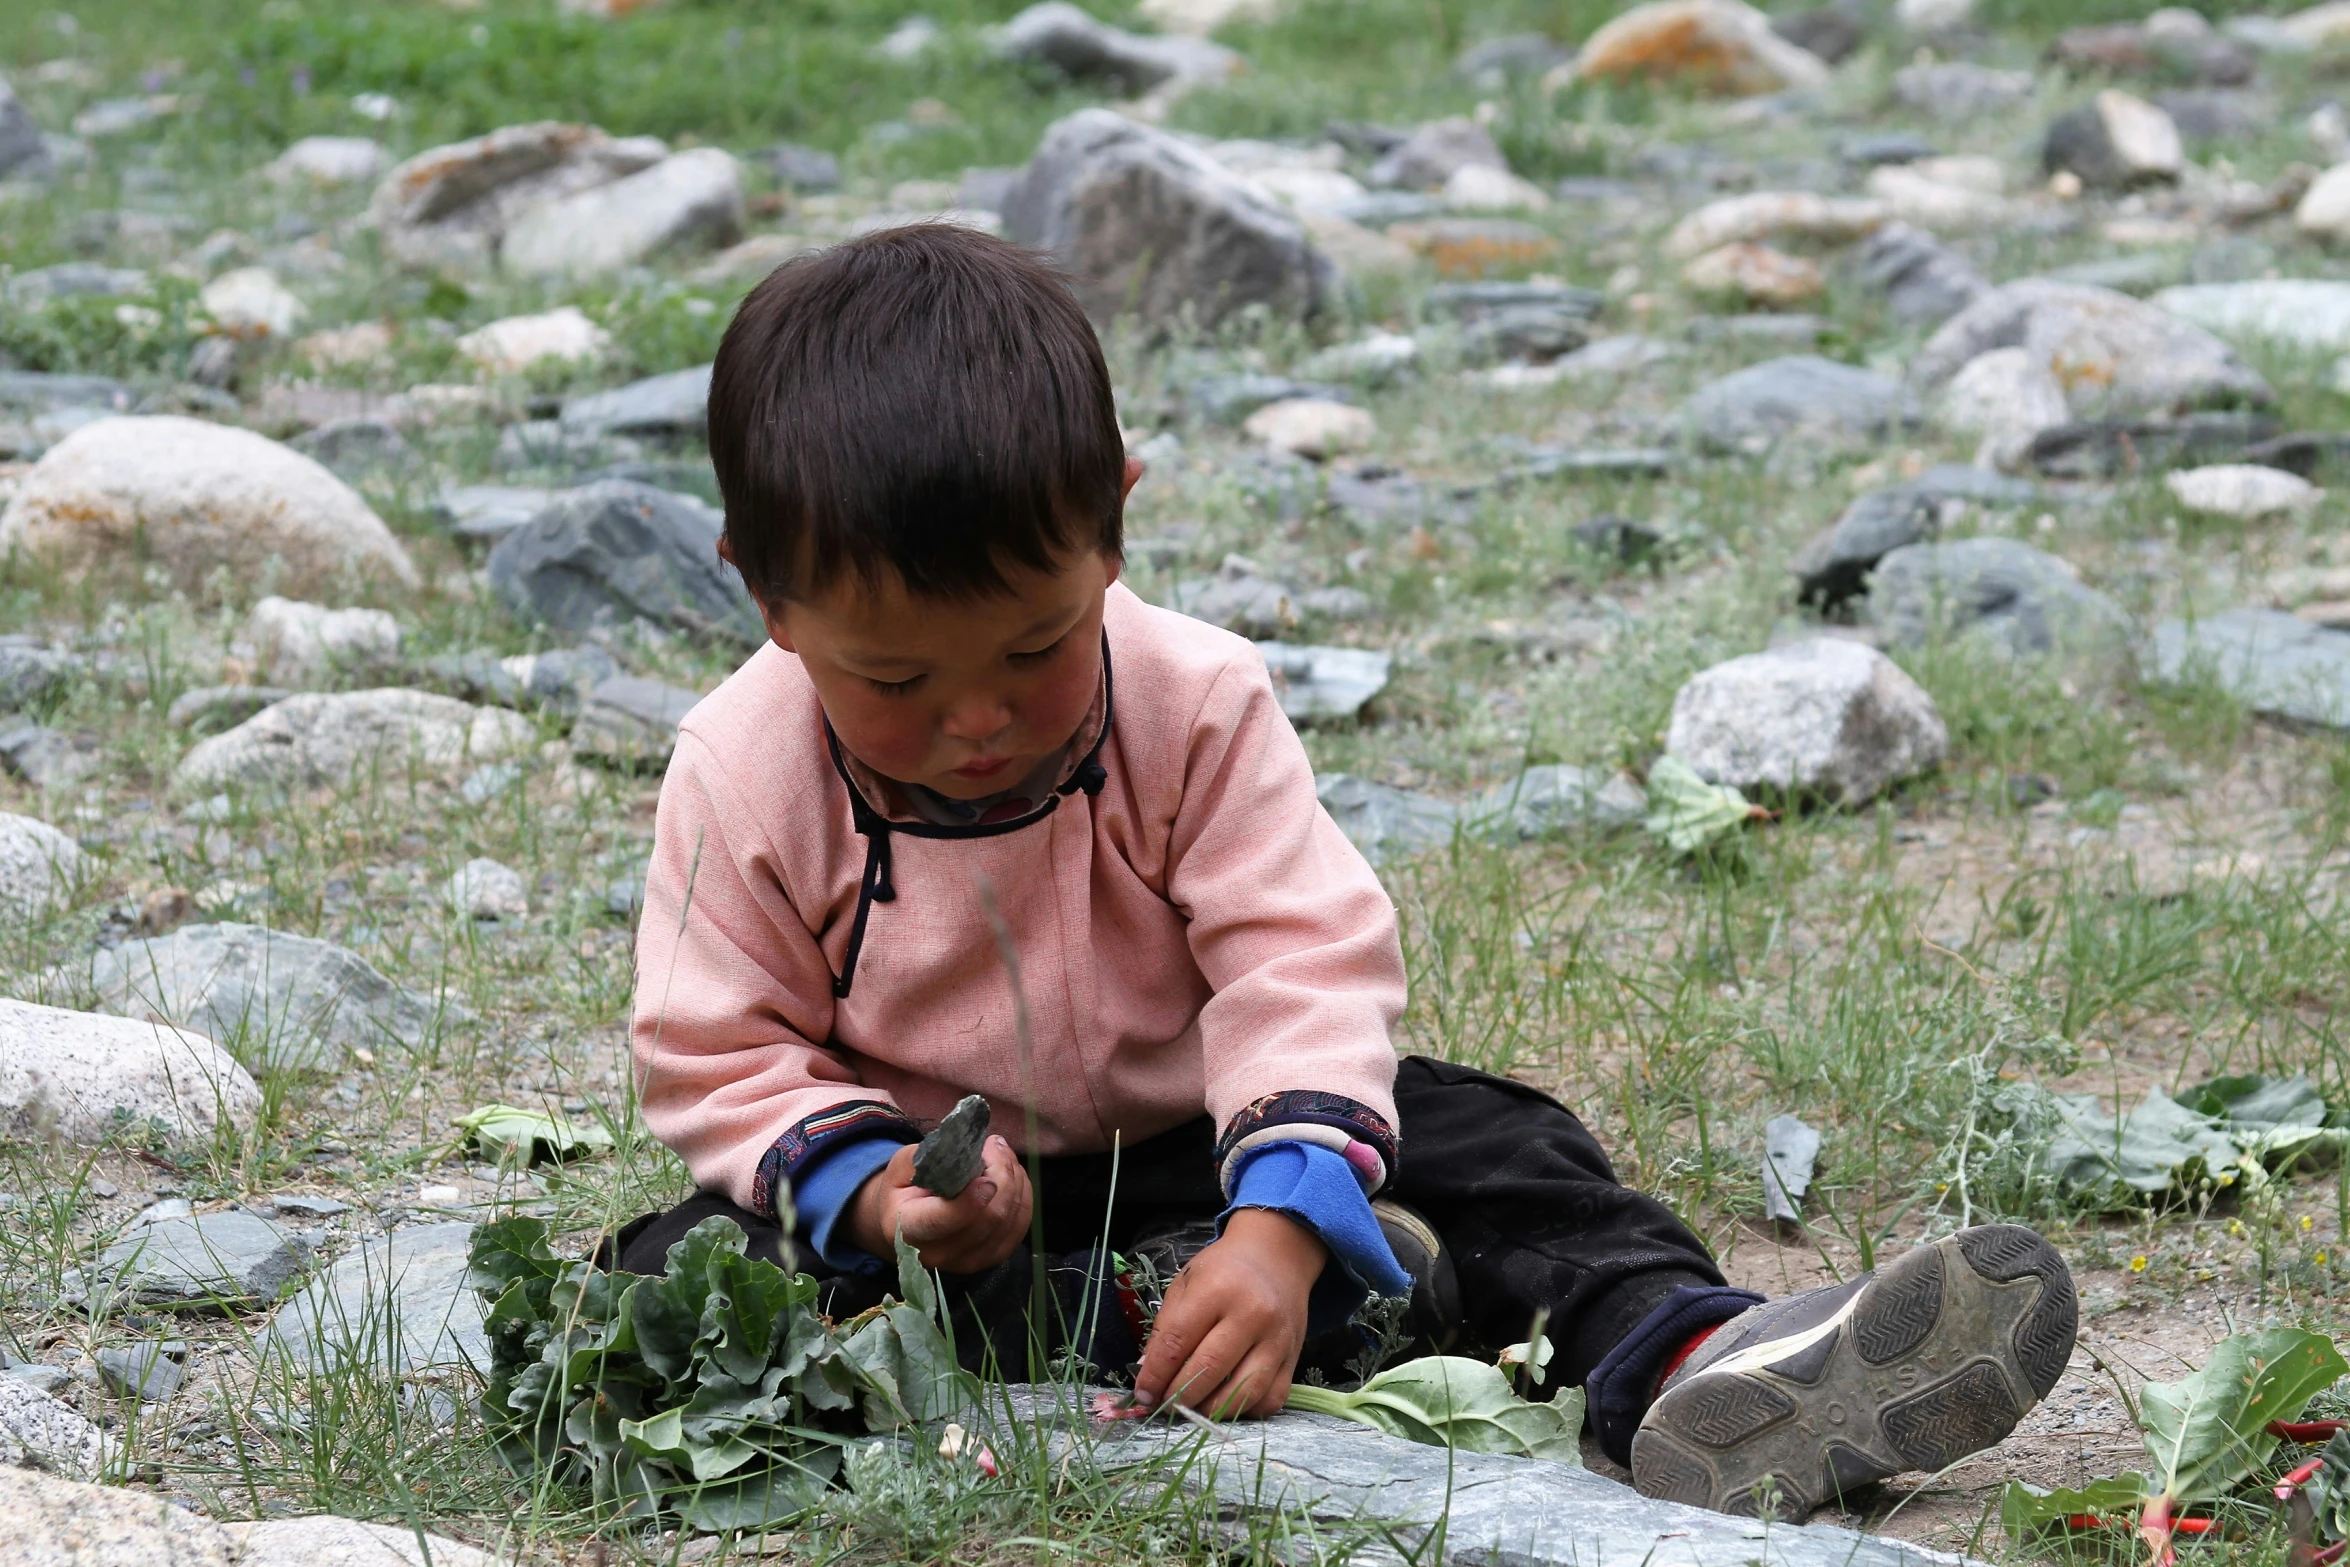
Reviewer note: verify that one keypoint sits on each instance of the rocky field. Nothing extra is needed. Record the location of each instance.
(1806, 546)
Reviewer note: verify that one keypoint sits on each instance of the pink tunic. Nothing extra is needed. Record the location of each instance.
(1199, 936)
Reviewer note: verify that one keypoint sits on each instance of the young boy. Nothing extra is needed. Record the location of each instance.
(924, 482)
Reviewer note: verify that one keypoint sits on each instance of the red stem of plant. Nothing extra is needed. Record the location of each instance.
(2306, 1430)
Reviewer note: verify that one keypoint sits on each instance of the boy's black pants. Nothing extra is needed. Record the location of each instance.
(1516, 1189)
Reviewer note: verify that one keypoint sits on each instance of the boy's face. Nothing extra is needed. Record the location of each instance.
(964, 699)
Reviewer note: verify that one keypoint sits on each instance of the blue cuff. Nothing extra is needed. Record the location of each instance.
(821, 1195)
(1319, 1189)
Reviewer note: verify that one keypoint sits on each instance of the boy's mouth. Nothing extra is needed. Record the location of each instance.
(985, 768)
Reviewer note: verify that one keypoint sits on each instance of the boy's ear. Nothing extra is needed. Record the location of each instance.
(1132, 476)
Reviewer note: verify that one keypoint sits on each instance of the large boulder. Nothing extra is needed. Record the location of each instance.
(1149, 225)
(2305, 313)
(617, 551)
(2113, 355)
(694, 198)
(1711, 45)
(354, 739)
(275, 998)
(36, 1431)
(2010, 597)
(2272, 662)
(1801, 396)
(1826, 716)
(398, 1304)
(72, 1523)
(452, 206)
(198, 499)
(81, 1076)
(39, 867)
(1071, 41)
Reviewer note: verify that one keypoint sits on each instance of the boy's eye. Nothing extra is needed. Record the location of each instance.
(895, 687)
(1042, 653)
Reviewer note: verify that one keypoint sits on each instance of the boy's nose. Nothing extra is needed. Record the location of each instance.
(977, 718)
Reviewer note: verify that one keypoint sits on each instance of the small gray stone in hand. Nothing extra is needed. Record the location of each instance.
(948, 1159)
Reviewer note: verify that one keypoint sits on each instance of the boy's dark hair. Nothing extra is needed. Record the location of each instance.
(925, 401)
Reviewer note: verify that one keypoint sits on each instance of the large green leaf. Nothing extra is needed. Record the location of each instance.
(1686, 811)
(748, 1302)
(765, 1500)
(1452, 1401)
(2256, 1102)
(2205, 1433)
(2026, 1510)
(509, 1135)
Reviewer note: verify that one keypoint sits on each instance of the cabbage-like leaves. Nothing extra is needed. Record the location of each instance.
(510, 1135)
(2026, 1510)
(1452, 1401)
(2207, 1432)
(1686, 811)
(714, 1393)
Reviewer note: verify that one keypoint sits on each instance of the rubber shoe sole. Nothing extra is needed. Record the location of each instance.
(1936, 1357)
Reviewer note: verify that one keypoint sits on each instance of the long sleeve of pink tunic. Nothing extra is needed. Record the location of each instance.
(1197, 936)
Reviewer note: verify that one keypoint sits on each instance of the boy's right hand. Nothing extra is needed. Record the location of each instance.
(964, 1234)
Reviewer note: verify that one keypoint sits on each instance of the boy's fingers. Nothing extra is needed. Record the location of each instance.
(1207, 1368)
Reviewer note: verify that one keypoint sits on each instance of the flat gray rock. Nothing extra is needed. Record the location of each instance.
(1522, 1512)
(491, 511)
(673, 407)
(1084, 49)
(607, 554)
(631, 721)
(948, 1157)
(399, 1303)
(145, 1371)
(1557, 798)
(2272, 662)
(226, 1259)
(1383, 821)
(23, 152)
(324, 1540)
(1322, 683)
(1923, 281)
(2021, 601)
(1238, 599)
(268, 996)
(1836, 564)
(1800, 397)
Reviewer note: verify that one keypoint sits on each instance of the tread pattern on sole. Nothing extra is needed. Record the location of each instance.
(1900, 1309)
(1670, 1472)
(1848, 1469)
(1959, 1415)
(1726, 1410)
(2043, 1339)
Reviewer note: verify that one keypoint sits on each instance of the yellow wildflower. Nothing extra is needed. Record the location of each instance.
(2138, 1263)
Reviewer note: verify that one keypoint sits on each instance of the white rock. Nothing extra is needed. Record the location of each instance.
(1718, 44)
(301, 642)
(198, 498)
(2177, 23)
(2309, 313)
(1773, 214)
(328, 1541)
(1475, 187)
(1933, 16)
(694, 198)
(2006, 397)
(39, 866)
(1937, 204)
(70, 1073)
(1305, 189)
(2240, 489)
(2116, 141)
(1756, 273)
(1311, 427)
(1199, 18)
(1827, 716)
(2320, 24)
(328, 160)
(251, 302)
(2325, 207)
(362, 343)
(485, 890)
(37, 1431)
(1376, 356)
(354, 738)
(450, 206)
(515, 343)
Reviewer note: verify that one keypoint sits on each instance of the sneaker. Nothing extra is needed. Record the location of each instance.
(1435, 1317)
(1805, 1400)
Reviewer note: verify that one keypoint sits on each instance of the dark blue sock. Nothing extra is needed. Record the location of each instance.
(1621, 1386)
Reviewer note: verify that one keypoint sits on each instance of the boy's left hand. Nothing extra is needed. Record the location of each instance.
(1227, 1337)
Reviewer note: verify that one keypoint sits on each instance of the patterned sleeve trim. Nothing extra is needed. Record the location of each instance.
(1346, 1126)
(857, 1119)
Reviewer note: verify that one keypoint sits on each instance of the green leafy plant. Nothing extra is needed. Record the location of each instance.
(715, 1392)
(1689, 813)
(508, 1135)
(2211, 1136)
(2205, 1435)
(1451, 1401)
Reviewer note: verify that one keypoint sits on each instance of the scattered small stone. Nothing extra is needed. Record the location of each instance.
(1790, 1150)
(309, 1207)
(1801, 397)
(1832, 32)
(2017, 600)
(38, 1431)
(166, 1208)
(1377, 358)
(251, 303)
(1319, 684)
(46, 758)
(292, 1001)
(1957, 90)
(195, 498)
(451, 206)
(624, 898)
(1238, 599)
(483, 889)
(1756, 273)
(2118, 448)
(328, 161)
(2274, 663)
(144, 1372)
(220, 1260)
(1476, 247)
(43, 1379)
(631, 722)
(799, 168)
(82, 1077)
(349, 739)
(1773, 215)
(1923, 281)
(306, 643)
(2243, 490)
(607, 554)
(675, 406)
(399, 1303)
(355, 450)
(513, 344)
(2114, 142)
(1062, 36)
(693, 199)
(1827, 716)
(1435, 152)
(1495, 62)
(1720, 45)
(1311, 427)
